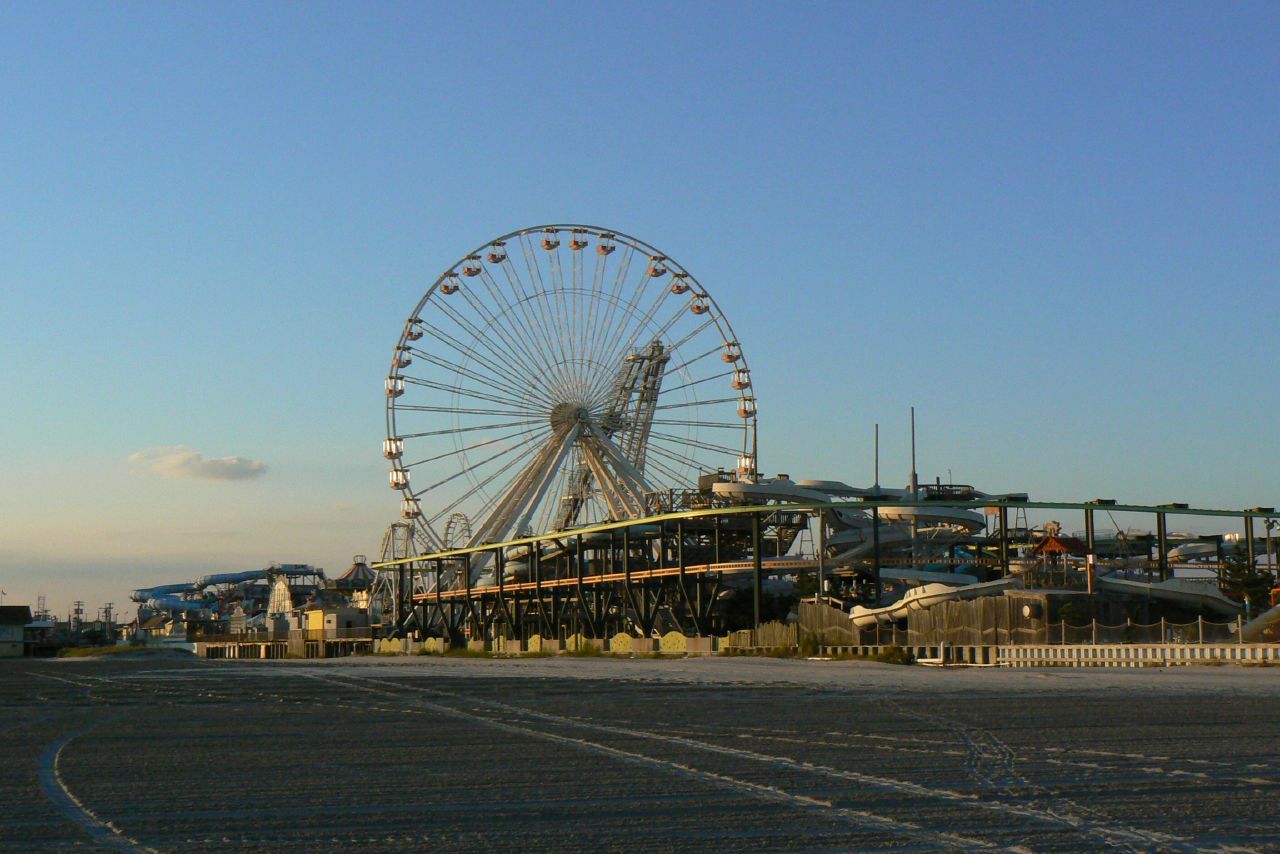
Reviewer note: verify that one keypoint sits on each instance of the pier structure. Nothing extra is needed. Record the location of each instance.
(675, 571)
(571, 428)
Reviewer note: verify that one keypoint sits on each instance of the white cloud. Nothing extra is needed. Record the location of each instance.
(180, 461)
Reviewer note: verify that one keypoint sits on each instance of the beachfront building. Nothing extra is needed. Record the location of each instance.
(13, 627)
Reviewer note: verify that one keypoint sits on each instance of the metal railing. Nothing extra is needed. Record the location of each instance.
(1200, 632)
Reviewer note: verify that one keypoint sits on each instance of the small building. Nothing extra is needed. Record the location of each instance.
(158, 626)
(1056, 544)
(13, 630)
(1060, 563)
(336, 621)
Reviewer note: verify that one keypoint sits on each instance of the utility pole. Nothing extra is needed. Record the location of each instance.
(915, 490)
(875, 523)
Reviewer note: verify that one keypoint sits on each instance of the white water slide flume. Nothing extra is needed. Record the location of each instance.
(559, 376)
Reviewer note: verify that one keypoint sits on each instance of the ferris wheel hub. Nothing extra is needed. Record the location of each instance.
(565, 415)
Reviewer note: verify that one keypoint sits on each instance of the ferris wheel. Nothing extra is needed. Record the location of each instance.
(558, 376)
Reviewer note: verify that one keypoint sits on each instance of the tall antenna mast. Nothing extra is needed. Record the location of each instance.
(915, 482)
(877, 460)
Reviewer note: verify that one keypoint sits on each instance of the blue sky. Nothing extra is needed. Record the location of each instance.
(1051, 227)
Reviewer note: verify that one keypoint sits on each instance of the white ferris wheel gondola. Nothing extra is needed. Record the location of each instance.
(538, 386)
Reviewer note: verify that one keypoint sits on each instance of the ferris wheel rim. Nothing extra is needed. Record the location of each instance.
(716, 317)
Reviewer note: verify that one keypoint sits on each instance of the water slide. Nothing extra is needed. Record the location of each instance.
(1197, 551)
(1187, 592)
(166, 597)
(919, 598)
(169, 597)
(1255, 631)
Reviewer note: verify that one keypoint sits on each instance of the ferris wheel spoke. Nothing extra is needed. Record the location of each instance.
(669, 473)
(457, 370)
(600, 304)
(598, 299)
(519, 300)
(488, 341)
(552, 351)
(507, 438)
(623, 343)
(478, 336)
(462, 472)
(528, 453)
(694, 443)
(697, 330)
(620, 309)
(689, 403)
(675, 369)
(536, 289)
(467, 352)
(726, 425)
(614, 297)
(670, 322)
(521, 405)
(560, 311)
(579, 313)
(673, 475)
(693, 383)
(565, 366)
(680, 459)
(520, 333)
(445, 432)
(454, 410)
(494, 329)
(641, 327)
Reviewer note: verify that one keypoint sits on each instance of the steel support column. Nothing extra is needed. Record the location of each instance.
(1162, 545)
(1004, 539)
(756, 570)
(1248, 542)
(875, 550)
(1090, 556)
(439, 603)
(716, 540)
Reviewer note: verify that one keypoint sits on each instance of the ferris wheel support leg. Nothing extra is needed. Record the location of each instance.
(685, 602)
(403, 598)
(656, 603)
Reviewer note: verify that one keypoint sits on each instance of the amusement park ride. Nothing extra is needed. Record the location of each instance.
(571, 424)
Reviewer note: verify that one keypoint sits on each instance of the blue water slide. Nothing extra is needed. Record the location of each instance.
(147, 593)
